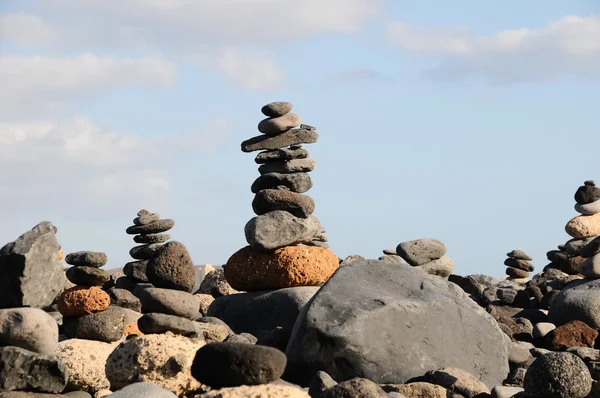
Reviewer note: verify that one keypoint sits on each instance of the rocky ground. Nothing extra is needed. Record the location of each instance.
(285, 317)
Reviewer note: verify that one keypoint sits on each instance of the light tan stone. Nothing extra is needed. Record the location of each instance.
(79, 301)
(205, 301)
(290, 266)
(262, 391)
(418, 390)
(161, 359)
(581, 227)
(457, 381)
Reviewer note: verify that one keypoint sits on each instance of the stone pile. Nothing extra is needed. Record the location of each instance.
(426, 254)
(519, 266)
(287, 244)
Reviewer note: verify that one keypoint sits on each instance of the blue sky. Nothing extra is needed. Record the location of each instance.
(470, 122)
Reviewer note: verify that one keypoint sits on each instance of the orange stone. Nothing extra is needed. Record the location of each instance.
(132, 329)
(61, 254)
(79, 301)
(250, 270)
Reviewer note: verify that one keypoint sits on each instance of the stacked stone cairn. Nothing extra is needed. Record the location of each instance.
(519, 266)
(287, 244)
(583, 229)
(426, 254)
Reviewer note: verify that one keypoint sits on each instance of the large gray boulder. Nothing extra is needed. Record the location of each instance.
(262, 311)
(32, 272)
(389, 324)
(577, 301)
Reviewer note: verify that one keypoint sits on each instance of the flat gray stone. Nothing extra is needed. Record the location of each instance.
(519, 255)
(87, 276)
(155, 323)
(591, 248)
(269, 200)
(87, 259)
(107, 326)
(145, 252)
(137, 270)
(519, 264)
(286, 167)
(290, 137)
(400, 305)
(278, 229)
(573, 247)
(588, 209)
(296, 182)
(283, 154)
(276, 109)
(577, 301)
(152, 228)
(29, 328)
(145, 219)
(125, 299)
(152, 238)
(167, 301)
(421, 251)
(277, 125)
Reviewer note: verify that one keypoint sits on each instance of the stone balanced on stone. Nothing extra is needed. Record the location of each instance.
(427, 254)
(519, 266)
(287, 244)
(583, 229)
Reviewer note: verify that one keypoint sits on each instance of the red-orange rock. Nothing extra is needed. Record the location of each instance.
(61, 254)
(79, 301)
(572, 334)
(132, 329)
(249, 270)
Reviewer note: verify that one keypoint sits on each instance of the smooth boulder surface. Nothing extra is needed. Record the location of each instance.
(369, 329)
(172, 268)
(259, 311)
(171, 302)
(31, 268)
(279, 228)
(143, 390)
(421, 251)
(236, 364)
(29, 328)
(577, 301)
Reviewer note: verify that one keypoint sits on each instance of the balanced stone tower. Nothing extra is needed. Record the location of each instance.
(287, 244)
(519, 266)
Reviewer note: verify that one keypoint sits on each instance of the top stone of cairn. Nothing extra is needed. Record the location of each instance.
(276, 109)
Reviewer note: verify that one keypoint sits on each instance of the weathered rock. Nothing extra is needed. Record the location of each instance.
(155, 323)
(588, 209)
(573, 247)
(152, 228)
(205, 301)
(262, 391)
(577, 301)
(87, 276)
(591, 249)
(215, 284)
(28, 328)
(421, 251)
(212, 332)
(296, 182)
(582, 227)
(591, 267)
(558, 375)
(457, 381)
(87, 259)
(79, 301)
(172, 268)
(125, 299)
(145, 252)
(290, 137)
(506, 392)
(541, 329)
(171, 302)
(572, 334)
(152, 238)
(276, 125)
(398, 259)
(269, 200)
(281, 154)
(441, 267)
(107, 326)
(137, 270)
(278, 229)
(321, 382)
(519, 354)
(404, 305)
(145, 219)
(260, 311)
(586, 354)
(352, 259)
(21, 369)
(418, 389)
(159, 359)
(519, 255)
(291, 266)
(143, 390)
(290, 166)
(276, 109)
(587, 194)
(31, 268)
(356, 387)
(519, 264)
(235, 364)
(86, 361)
(517, 273)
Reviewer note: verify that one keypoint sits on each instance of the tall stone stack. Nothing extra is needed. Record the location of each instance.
(583, 229)
(287, 244)
(518, 265)
(149, 230)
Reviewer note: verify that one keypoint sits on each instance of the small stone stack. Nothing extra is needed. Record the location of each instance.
(273, 259)
(519, 266)
(149, 230)
(427, 254)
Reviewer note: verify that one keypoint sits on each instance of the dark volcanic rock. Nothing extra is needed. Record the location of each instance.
(172, 268)
(152, 228)
(290, 166)
(137, 270)
(577, 301)
(107, 326)
(296, 182)
(171, 302)
(262, 311)
(587, 194)
(87, 259)
(278, 229)
(399, 305)
(32, 272)
(281, 154)
(320, 384)
(124, 299)
(290, 137)
(558, 375)
(356, 387)
(161, 323)
(275, 199)
(21, 369)
(152, 238)
(591, 249)
(235, 364)
(145, 252)
(519, 264)
(87, 276)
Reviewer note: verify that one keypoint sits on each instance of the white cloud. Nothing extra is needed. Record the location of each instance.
(568, 46)
(79, 166)
(31, 83)
(26, 30)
